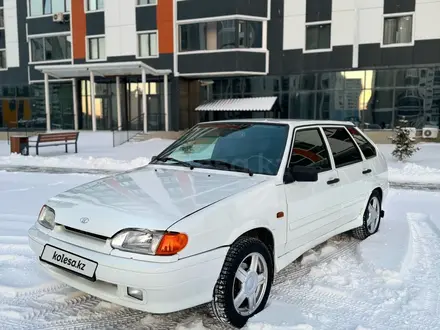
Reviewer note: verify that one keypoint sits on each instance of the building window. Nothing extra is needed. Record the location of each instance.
(147, 44)
(228, 34)
(53, 48)
(96, 48)
(47, 7)
(398, 30)
(2, 59)
(93, 5)
(318, 36)
(2, 19)
(146, 2)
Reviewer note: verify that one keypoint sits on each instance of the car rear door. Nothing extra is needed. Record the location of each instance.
(313, 207)
(372, 166)
(350, 166)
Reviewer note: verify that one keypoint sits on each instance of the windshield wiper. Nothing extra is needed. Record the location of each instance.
(171, 159)
(220, 163)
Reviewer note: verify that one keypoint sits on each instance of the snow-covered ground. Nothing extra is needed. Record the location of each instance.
(389, 281)
(96, 152)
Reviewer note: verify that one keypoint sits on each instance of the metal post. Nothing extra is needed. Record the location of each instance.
(165, 92)
(118, 102)
(47, 100)
(144, 98)
(75, 104)
(92, 100)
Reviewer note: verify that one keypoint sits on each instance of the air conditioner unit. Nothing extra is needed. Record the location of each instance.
(430, 132)
(412, 131)
(58, 18)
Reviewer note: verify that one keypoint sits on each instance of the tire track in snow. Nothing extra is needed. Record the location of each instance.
(421, 268)
(80, 312)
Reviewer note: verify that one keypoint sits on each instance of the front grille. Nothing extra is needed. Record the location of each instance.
(85, 233)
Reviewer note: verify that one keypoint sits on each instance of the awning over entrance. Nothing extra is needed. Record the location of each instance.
(246, 104)
(100, 69)
(117, 69)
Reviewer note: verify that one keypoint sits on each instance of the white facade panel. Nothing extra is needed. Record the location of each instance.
(294, 29)
(426, 20)
(294, 32)
(294, 7)
(120, 27)
(343, 5)
(343, 27)
(11, 34)
(370, 25)
(368, 4)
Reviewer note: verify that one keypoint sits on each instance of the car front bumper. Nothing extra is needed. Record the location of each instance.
(166, 286)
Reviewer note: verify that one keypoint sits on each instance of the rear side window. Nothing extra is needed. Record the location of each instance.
(343, 148)
(309, 150)
(366, 147)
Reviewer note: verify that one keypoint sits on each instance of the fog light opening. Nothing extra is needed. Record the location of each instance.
(135, 293)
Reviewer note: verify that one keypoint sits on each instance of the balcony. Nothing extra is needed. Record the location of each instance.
(196, 9)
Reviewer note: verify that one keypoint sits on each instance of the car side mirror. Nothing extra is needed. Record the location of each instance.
(301, 174)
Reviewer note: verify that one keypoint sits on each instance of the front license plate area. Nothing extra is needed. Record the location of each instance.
(69, 261)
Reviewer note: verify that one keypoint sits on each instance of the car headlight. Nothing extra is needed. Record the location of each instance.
(150, 242)
(46, 218)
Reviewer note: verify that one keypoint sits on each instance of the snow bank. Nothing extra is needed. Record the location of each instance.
(105, 163)
(422, 168)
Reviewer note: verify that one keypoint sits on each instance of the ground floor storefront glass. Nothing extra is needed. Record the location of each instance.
(374, 99)
(23, 107)
(131, 105)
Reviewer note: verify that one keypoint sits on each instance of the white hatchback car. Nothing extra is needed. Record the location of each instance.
(214, 216)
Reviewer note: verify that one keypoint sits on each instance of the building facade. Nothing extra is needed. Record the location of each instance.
(370, 61)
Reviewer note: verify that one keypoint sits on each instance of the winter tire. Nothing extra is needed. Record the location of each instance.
(244, 284)
(372, 217)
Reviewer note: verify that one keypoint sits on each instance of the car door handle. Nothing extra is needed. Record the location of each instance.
(366, 171)
(333, 181)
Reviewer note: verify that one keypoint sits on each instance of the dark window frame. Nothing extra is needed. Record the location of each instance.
(318, 25)
(344, 128)
(90, 40)
(43, 43)
(47, 7)
(392, 17)
(2, 18)
(146, 3)
(323, 140)
(3, 58)
(148, 35)
(186, 45)
(97, 5)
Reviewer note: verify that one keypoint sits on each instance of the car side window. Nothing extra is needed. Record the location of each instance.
(310, 150)
(366, 147)
(344, 151)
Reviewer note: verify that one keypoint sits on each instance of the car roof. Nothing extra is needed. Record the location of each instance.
(290, 122)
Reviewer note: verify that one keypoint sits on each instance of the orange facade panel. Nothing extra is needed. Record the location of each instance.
(165, 26)
(79, 25)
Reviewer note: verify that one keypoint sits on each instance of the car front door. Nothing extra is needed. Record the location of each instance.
(313, 207)
(350, 166)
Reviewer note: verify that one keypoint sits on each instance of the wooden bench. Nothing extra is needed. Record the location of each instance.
(55, 139)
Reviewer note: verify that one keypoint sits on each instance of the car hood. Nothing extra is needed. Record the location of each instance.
(150, 197)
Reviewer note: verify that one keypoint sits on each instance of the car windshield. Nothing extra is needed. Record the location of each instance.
(244, 147)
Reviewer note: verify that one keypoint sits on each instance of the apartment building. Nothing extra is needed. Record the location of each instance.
(101, 65)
